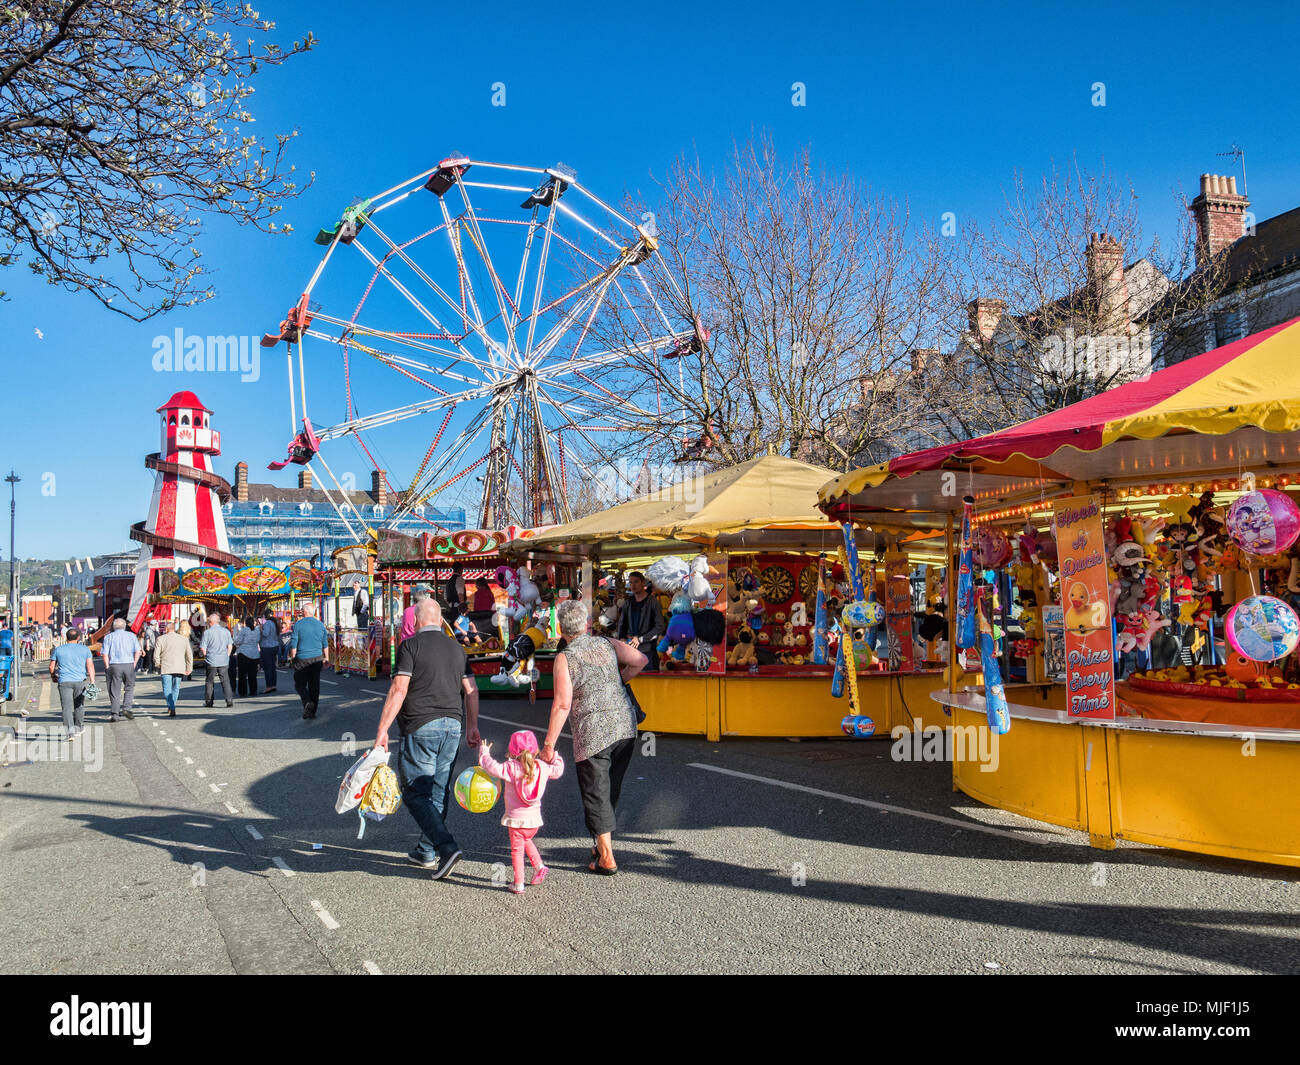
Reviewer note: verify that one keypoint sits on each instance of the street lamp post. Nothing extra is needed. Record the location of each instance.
(13, 480)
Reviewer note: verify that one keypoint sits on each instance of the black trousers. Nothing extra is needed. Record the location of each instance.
(600, 780)
(226, 689)
(245, 675)
(307, 681)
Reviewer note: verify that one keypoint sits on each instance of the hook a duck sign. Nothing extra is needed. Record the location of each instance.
(1089, 643)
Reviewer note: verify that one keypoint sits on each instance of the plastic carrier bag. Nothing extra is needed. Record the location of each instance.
(370, 787)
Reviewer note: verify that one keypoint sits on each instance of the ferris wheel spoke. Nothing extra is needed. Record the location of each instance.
(580, 430)
(615, 411)
(544, 258)
(502, 297)
(479, 327)
(406, 293)
(400, 361)
(465, 281)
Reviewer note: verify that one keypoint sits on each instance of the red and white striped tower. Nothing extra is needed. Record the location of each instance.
(185, 527)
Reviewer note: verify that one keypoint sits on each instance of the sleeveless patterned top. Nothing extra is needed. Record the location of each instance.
(601, 714)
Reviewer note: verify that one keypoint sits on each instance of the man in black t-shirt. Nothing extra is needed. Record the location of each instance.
(433, 676)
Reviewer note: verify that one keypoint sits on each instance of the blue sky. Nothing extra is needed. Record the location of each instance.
(937, 106)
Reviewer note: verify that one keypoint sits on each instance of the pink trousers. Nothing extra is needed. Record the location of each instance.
(521, 843)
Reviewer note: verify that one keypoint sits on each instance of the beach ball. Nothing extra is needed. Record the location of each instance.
(862, 614)
(1262, 628)
(1264, 522)
(858, 725)
(476, 791)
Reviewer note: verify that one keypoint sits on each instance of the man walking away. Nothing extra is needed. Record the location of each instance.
(425, 697)
(149, 637)
(72, 667)
(175, 659)
(217, 647)
(268, 644)
(308, 652)
(121, 652)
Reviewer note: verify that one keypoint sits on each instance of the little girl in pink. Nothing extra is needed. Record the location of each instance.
(523, 780)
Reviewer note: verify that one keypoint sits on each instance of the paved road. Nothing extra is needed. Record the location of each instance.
(208, 843)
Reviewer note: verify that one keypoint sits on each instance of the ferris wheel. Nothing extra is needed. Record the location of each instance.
(531, 331)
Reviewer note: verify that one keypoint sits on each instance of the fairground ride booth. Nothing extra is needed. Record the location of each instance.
(1152, 541)
(403, 562)
(748, 545)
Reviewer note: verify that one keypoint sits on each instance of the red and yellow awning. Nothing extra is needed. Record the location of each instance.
(1234, 408)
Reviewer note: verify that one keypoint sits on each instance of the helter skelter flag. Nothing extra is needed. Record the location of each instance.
(1085, 599)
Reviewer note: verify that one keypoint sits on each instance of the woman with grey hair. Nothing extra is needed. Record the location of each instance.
(588, 678)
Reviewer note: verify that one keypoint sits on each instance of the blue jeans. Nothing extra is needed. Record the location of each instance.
(426, 763)
(171, 688)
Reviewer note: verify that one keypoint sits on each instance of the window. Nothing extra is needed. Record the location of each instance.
(304, 508)
(378, 510)
(228, 509)
(185, 419)
(418, 510)
(265, 507)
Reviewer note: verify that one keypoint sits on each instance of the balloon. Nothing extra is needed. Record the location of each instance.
(1262, 628)
(476, 791)
(1264, 522)
(862, 614)
(992, 548)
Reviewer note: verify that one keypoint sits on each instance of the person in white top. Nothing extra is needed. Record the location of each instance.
(248, 655)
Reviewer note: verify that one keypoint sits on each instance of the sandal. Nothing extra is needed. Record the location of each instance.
(601, 870)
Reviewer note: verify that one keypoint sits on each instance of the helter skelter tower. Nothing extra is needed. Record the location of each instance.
(185, 527)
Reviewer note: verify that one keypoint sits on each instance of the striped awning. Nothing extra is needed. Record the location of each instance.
(1228, 410)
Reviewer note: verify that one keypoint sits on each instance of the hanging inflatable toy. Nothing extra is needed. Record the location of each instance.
(1262, 628)
(992, 547)
(1264, 522)
(858, 726)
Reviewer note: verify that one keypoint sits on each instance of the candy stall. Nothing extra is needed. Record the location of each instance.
(774, 622)
(1147, 541)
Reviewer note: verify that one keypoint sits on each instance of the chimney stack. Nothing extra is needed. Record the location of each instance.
(304, 479)
(984, 316)
(1220, 216)
(1107, 288)
(378, 490)
(241, 482)
(923, 358)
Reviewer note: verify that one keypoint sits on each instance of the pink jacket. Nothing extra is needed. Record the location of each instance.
(523, 800)
(408, 623)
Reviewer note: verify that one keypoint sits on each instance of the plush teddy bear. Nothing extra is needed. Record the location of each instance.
(743, 653)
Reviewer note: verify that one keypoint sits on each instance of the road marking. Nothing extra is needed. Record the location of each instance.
(252, 832)
(180, 750)
(231, 807)
(199, 771)
(215, 790)
(153, 722)
(162, 732)
(371, 968)
(882, 807)
(189, 761)
(324, 915)
(282, 866)
(46, 695)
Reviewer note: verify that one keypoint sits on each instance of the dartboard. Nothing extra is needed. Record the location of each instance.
(808, 581)
(778, 585)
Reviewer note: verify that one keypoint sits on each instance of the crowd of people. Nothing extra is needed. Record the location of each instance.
(432, 698)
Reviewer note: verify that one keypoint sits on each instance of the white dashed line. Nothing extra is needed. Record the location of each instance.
(324, 915)
(200, 772)
(252, 832)
(371, 968)
(884, 808)
(189, 761)
(153, 722)
(282, 866)
(180, 750)
(231, 807)
(215, 790)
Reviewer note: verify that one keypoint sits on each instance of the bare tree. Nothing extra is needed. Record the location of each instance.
(812, 294)
(123, 123)
(1060, 297)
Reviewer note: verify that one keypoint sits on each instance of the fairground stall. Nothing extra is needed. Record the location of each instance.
(357, 629)
(490, 636)
(1146, 538)
(754, 585)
